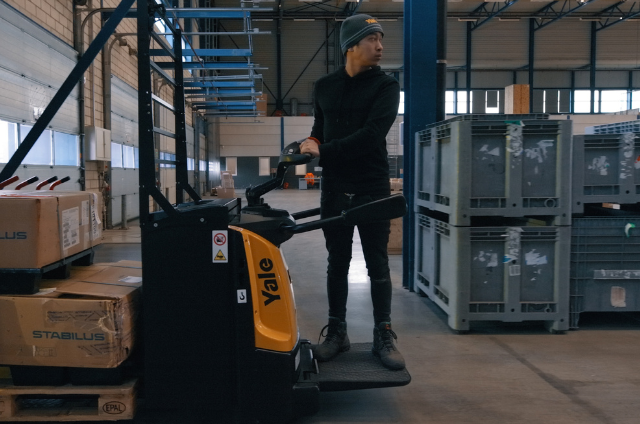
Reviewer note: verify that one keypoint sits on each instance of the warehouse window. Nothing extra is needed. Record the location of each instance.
(8, 140)
(264, 168)
(462, 101)
(51, 148)
(65, 149)
(401, 106)
(582, 101)
(449, 102)
(635, 99)
(116, 155)
(128, 157)
(232, 165)
(492, 101)
(613, 101)
(41, 152)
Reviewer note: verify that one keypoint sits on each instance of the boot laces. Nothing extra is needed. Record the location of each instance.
(386, 338)
(329, 336)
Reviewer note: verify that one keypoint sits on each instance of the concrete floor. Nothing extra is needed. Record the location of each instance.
(498, 373)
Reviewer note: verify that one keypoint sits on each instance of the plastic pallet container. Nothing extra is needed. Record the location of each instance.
(506, 274)
(605, 265)
(492, 117)
(616, 128)
(606, 169)
(495, 168)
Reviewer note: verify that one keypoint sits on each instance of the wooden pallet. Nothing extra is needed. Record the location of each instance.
(27, 280)
(67, 403)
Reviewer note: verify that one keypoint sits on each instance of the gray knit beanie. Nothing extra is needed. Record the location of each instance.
(355, 28)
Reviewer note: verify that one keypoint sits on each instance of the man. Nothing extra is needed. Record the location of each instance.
(355, 107)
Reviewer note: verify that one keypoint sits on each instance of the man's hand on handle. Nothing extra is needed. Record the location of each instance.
(310, 146)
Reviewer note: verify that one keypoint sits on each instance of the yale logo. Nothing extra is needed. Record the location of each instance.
(371, 21)
(269, 281)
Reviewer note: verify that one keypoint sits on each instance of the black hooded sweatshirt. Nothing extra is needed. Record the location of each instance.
(352, 118)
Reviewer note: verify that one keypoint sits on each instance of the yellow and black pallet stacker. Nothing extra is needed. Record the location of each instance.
(221, 333)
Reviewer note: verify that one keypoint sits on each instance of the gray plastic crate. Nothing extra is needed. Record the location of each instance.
(506, 274)
(605, 265)
(606, 169)
(495, 168)
(616, 128)
(492, 117)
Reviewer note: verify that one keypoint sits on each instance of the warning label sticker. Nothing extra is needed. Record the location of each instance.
(220, 246)
(70, 227)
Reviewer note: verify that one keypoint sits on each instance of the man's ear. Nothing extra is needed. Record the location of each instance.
(350, 49)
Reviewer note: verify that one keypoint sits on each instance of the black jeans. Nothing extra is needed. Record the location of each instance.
(339, 241)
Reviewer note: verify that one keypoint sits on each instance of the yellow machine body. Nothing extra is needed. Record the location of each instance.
(274, 308)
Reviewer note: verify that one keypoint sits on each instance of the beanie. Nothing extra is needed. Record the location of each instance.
(355, 28)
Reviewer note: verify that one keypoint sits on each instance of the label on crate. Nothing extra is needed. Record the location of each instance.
(70, 228)
(514, 137)
(616, 274)
(512, 248)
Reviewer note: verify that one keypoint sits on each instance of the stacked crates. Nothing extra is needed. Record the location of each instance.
(605, 244)
(606, 169)
(493, 218)
(605, 265)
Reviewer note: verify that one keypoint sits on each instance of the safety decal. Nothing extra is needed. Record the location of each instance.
(242, 296)
(220, 247)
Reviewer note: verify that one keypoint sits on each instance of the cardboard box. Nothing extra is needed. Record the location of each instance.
(227, 179)
(396, 184)
(86, 321)
(40, 228)
(516, 98)
(226, 193)
(395, 237)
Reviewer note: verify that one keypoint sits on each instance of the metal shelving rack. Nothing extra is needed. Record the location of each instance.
(208, 90)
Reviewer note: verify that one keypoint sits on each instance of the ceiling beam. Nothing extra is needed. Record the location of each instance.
(485, 15)
(553, 12)
(613, 15)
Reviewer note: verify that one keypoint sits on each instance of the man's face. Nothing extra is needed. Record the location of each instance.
(368, 52)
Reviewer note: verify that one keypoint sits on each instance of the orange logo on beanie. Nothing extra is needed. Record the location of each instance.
(371, 21)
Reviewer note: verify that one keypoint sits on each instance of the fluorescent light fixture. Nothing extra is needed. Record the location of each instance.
(467, 19)
(509, 19)
(387, 20)
(590, 19)
(262, 20)
(303, 20)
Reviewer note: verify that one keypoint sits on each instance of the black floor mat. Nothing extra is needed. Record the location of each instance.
(358, 369)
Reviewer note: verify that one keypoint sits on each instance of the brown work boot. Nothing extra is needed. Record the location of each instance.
(384, 346)
(335, 340)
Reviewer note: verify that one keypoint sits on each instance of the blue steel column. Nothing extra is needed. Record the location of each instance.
(532, 45)
(592, 70)
(468, 65)
(420, 73)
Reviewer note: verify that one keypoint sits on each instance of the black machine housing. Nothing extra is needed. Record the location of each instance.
(200, 350)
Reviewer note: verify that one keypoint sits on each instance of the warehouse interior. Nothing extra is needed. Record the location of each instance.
(142, 124)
